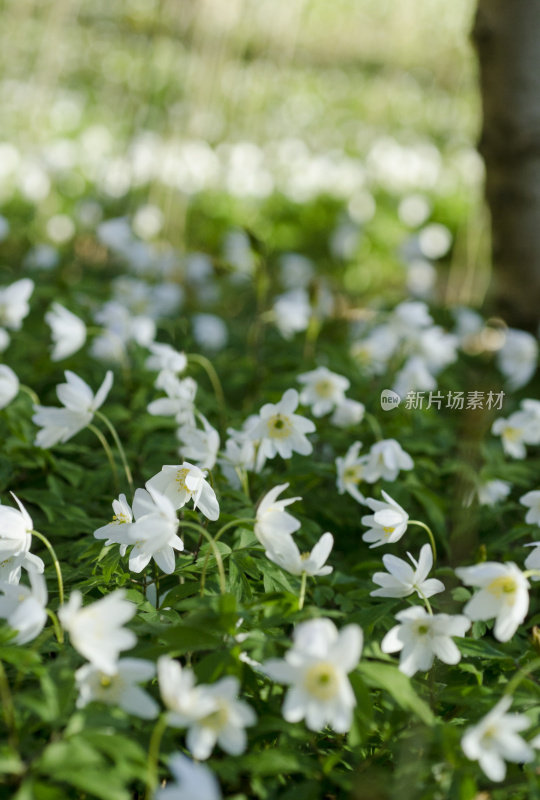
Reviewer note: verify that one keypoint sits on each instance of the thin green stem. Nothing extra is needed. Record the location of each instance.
(244, 480)
(206, 364)
(8, 708)
(375, 426)
(199, 528)
(57, 628)
(56, 563)
(521, 674)
(429, 533)
(119, 447)
(233, 523)
(108, 452)
(153, 755)
(302, 596)
(426, 601)
(30, 392)
(530, 572)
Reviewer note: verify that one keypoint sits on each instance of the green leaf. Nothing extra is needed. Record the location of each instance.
(399, 686)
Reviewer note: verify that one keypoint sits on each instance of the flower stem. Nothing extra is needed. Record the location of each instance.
(530, 572)
(302, 596)
(8, 708)
(119, 447)
(30, 392)
(375, 426)
(426, 601)
(196, 527)
(206, 364)
(56, 625)
(153, 755)
(233, 523)
(108, 452)
(429, 533)
(56, 563)
(521, 674)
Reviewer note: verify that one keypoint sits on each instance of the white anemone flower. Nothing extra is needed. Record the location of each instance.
(495, 739)
(165, 357)
(180, 400)
(388, 524)
(421, 636)
(492, 492)
(183, 482)
(24, 607)
(182, 698)
(518, 357)
(9, 385)
(122, 515)
(316, 669)
(401, 580)
(503, 594)
(519, 429)
(192, 781)
(120, 689)
(68, 331)
(199, 445)
(348, 413)
(533, 559)
(284, 552)
(351, 470)
(96, 631)
(80, 405)
(14, 303)
(323, 390)
(272, 521)
(280, 431)
(532, 501)
(16, 528)
(386, 459)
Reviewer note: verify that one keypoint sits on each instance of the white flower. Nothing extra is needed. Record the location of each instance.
(518, 357)
(165, 357)
(386, 459)
(23, 607)
(239, 454)
(375, 351)
(436, 347)
(184, 701)
(533, 559)
(421, 636)
(122, 516)
(532, 501)
(414, 376)
(96, 631)
(348, 413)
(492, 492)
(388, 524)
(180, 400)
(80, 405)
(283, 551)
(503, 594)
(401, 580)
(16, 528)
(9, 385)
(192, 781)
(209, 331)
(280, 431)
(120, 688)
(272, 521)
(409, 317)
(323, 390)
(351, 471)
(14, 303)
(200, 446)
(185, 482)
(495, 739)
(68, 331)
(520, 428)
(316, 669)
(292, 311)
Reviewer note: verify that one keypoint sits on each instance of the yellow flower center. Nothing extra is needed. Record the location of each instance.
(321, 680)
(279, 427)
(181, 476)
(324, 388)
(512, 434)
(503, 585)
(422, 630)
(353, 474)
(120, 518)
(105, 681)
(217, 719)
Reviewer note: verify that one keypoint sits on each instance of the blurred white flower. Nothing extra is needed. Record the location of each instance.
(284, 552)
(351, 471)
(348, 413)
(14, 305)
(80, 405)
(316, 669)
(532, 501)
(436, 347)
(414, 376)
(165, 357)
(491, 492)
(180, 400)
(9, 385)
(323, 390)
(199, 445)
(280, 431)
(192, 781)
(421, 636)
(533, 559)
(292, 312)
(401, 580)
(209, 331)
(503, 594)
(495, 739)
(272, 521)
(388, 524)
(68, 331)
(375, 351)
(183, 482)
(119, 689)
(239, 454)
(520, 428)
(518, 357)
(409, 317)
(96, 631)
(386, 459)
(23, 607)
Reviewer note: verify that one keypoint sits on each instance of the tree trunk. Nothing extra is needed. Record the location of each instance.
(507, 38)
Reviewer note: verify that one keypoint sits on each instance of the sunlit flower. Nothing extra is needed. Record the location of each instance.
(323, 390)
(23, 607)
(401, 579)
(185, 482)
(192, 781)
(284, 552)
(280, 431)
(351, 471)
(503, 594)
(388, 524)
(80, 405)
(68, 331)
(421, 636)
(386, 459)
(316, 669)
(119, 689)
(9, 385)
(495, 739)
(96, 631)
(272, 521)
